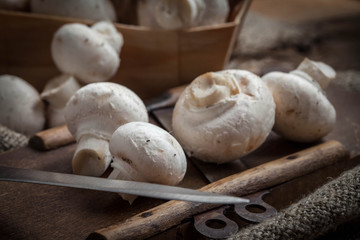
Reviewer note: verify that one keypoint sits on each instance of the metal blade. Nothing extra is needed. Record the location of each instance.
(114, 185)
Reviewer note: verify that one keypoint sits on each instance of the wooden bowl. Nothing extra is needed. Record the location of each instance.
(151, 60)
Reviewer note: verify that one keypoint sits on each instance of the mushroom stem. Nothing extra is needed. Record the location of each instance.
(315, 71)
(120, 172)
(57, 92)
(55, 116)
(92, 156)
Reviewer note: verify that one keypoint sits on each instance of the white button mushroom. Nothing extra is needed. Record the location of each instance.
(57, 92)
(222, 116)
(21, 107)
(96, 10)
(144, 152)
(92, 114)
(85, 53)
(303, 113)
(214, 13)
(175, 14)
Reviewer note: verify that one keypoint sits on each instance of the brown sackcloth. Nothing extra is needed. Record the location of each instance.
(322, 211)
(10, 139)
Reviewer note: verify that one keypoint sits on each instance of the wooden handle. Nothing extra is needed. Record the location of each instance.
(171, 213)
(51, 138)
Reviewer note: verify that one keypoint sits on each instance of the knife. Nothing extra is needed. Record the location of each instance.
(115, 185)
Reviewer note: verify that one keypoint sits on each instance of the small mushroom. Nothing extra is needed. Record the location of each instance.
(146, 153)
(215, 12)
(92, 114)
(21, 107)
(175, 14)
(222, 116)
(108, 31)
(56, 93)
(84, 53)
(96, 10)
(303, 112)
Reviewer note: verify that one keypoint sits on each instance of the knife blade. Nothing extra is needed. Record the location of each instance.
(114, 185)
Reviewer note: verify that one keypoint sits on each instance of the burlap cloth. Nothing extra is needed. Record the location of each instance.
(10, 139)
(319, 213)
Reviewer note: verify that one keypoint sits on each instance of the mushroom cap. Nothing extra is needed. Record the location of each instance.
(180, 14)
(82, 52)
(98, 109)
(20, 105)
(217, 11)
(175, 14)
(222, 116)
(144, 152)
(166, 14)
(96, 10)
(108, 31)
(303, 113)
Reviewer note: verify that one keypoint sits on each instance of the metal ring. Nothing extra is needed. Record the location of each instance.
(256, 202)
(224, 228)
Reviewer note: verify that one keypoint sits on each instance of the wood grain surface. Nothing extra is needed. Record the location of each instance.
(267, 175)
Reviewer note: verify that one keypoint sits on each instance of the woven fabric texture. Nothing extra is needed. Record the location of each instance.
(10, 139)
(325, 209)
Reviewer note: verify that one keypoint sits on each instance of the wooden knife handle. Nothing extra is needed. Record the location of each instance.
(171, 213)
(51, 138)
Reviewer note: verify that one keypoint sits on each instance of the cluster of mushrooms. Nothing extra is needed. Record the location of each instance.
(109, 121)
(220, 117)
(83, 55)
(157, 14)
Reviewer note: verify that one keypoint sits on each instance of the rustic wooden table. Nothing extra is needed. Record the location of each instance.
(31, 211)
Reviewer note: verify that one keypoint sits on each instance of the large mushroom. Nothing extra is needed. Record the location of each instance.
(92, 114)
(180, 14)
(303, 112)
(144, 152)
(96, 10)
(90, 55)
(222, 116)
(21, 107)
